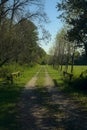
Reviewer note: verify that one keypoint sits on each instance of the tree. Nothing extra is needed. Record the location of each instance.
(3, 10)
(41, 56)
(5, 45)
(64, 51)
(15, 38)
(73, 12)
(27, 40)
(60, 47)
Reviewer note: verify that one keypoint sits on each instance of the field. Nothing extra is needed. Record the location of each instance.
(77, 88)
(77, 70)
(10, 93)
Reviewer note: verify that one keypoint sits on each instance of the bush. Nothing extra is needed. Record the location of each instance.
(5, 71)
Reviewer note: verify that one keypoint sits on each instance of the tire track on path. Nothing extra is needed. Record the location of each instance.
(25, 119)
(67, 113)
(46, 108)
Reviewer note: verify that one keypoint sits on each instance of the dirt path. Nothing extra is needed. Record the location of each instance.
(46, 108)
(66, 114)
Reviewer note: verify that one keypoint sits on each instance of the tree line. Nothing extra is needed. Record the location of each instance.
(71, 42)
(18, 33)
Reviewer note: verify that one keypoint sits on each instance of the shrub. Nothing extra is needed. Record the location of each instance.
(5, 71)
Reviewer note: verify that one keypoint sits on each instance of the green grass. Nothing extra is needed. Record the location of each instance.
(77, 88)
(9, 93)
(9, 96)
(55, 75)
(27, 73)
(77, 69)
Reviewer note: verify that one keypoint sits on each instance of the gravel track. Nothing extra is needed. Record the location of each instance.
(47, 108)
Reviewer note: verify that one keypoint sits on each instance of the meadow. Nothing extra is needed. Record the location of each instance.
(77, 70)
(76, 88)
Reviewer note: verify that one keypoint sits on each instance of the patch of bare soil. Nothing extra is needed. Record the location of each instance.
(47, 108)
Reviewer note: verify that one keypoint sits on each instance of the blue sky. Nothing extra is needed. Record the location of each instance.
(55, 24)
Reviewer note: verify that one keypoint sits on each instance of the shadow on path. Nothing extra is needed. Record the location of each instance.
(44, 109)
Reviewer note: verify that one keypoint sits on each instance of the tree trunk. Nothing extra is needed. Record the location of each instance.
(72, 60)
(72, 63)
(85, 44)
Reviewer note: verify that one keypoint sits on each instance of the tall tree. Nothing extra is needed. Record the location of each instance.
(14, 36)
(3, 10)
(60, 47)
(27, 40)
(74, 13)
(64, 51)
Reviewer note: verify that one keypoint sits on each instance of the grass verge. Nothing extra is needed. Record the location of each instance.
(9, 95)
(76, 89)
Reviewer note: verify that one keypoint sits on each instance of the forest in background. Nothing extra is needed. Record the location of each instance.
(22, 58)
(19, 37)
(70, 47)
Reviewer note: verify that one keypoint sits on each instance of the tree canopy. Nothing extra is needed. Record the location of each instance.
(74, 13)
(18, 33)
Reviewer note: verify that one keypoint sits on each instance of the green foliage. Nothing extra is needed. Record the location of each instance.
(63, 50)
(27, 73)
(19, 44)
(27, 41)
(19, 37)
(41, 56)
(4, 72)
(55, 75)
(74, 14)
(8, 97)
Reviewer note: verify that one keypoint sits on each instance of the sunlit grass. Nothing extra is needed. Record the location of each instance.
(9, 93)
(55, 74)
(27, 73)
(9, 96)
(76, 69)
(75, 87)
